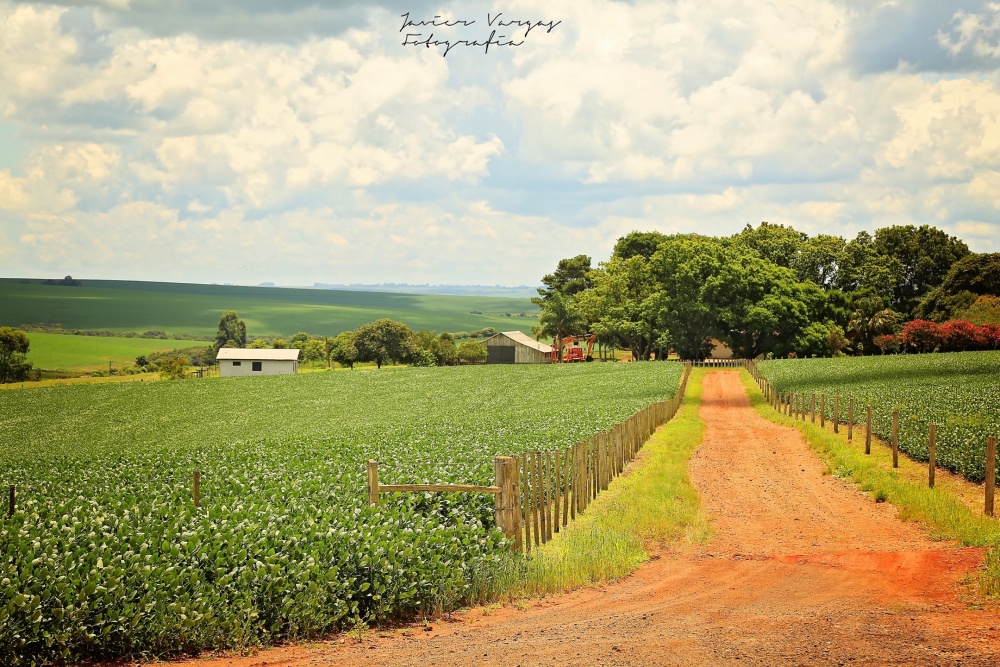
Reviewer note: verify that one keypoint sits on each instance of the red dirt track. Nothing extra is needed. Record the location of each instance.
(803, 570)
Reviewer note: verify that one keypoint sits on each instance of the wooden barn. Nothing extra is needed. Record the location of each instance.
(515, 347)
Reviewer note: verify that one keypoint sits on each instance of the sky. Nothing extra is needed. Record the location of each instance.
(246, 141)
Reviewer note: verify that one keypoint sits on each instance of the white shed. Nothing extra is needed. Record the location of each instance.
(234, 361)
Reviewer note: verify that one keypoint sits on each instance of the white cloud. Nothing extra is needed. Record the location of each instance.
(335, 154)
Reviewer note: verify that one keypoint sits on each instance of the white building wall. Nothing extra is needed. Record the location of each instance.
(228, 368)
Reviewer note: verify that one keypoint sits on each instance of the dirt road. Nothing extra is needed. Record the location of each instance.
(803, 570)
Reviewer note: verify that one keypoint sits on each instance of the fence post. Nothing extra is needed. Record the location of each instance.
(508, 501)
(558, 475)
(538, 513)
(567, 474)
(197, 488)
(931, 443)
(991, 474)
(812, 408)
(526, 501)
(868, 429)
(373, 493)
(822, 410)
(850, 419)
(895, 438)
(836, 413)
(545, 465)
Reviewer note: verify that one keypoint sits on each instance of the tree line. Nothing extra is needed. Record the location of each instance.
(383, 341)
(772, 290)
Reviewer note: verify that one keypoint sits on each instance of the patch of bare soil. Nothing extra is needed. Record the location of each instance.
(803, 570)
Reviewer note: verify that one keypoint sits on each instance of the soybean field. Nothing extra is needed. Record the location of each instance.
(106, 555)
(959, 392)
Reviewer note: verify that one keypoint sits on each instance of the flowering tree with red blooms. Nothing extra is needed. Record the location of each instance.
(923, 335)
(962, 336)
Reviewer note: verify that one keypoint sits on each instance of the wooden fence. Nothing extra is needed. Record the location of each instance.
(802, 407)
(537, 493)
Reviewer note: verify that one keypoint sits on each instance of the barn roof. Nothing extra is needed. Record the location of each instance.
(240, 354)
(523, 339)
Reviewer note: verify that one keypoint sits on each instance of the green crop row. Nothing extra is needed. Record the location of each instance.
(106, 555)
(959, 392)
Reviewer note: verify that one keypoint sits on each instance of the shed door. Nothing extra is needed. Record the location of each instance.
(500, 355)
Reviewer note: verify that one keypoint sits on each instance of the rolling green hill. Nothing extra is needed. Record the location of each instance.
(181, 308)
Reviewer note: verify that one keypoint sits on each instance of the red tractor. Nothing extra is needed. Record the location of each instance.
(573, 351)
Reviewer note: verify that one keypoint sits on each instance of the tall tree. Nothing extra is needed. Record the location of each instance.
(819, 259)
(968, 278)
(571, 276)
(775, 243)
(14, 345)
(925, 254)
(382, 341)
(232, 331)
(342, 349)
(681, 267)
(760, 306)
(623, 306)
(863, 268)
(641, 244)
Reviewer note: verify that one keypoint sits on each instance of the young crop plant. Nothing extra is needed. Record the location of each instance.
(959, 392)
(107, 557)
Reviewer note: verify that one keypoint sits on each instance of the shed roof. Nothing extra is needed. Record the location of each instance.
(523, 339)
(240, 354)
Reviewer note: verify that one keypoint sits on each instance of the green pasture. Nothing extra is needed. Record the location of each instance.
(181, 308)
(57, 351)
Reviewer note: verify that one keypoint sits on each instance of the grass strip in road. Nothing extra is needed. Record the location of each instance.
(651, 507)
(945, 515)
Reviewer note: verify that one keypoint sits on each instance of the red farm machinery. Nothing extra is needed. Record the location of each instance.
(573, 350)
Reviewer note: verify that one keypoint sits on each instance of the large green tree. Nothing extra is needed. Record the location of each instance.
(342, 349)
(571, 276)
(681, 267)
(760, 306)
(623, 307)
(969, 278)
(925, 254)
(383, 341)
(642, 244)
(862, 268)
(14, 345)
(776, 243)
(232, 331)
(818, 260)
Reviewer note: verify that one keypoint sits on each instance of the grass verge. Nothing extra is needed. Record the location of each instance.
(941, 511)
(651, 507)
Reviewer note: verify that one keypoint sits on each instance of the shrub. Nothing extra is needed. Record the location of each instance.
(962, 336)
(887, 343)
(922, 335)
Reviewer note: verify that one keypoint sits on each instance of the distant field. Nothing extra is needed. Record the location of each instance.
(55, 351)
(195, 309)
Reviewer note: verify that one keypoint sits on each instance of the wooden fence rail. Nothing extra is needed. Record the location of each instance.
(784, 403)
